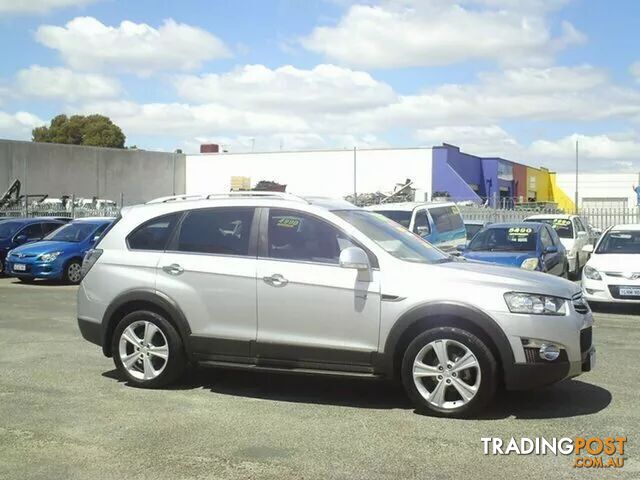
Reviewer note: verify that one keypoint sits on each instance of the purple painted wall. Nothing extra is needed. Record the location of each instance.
(455, 172)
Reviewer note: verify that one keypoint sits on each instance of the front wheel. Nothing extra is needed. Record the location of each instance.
(73, 272)
(449, 372)
(148, 350)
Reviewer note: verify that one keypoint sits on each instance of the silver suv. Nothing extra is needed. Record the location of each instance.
(276, 282)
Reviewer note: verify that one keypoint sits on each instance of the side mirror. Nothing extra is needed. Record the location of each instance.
(587, 249)
(461, 248)
(20, 239)
(96, 238)
(354, 257)
(423, 230)
(550, 249)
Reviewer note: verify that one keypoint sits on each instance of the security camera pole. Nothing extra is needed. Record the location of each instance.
(576, 197)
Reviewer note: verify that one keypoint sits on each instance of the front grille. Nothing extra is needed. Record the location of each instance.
(586, 338)
(23, 255)
(580, 305)
(628, 276)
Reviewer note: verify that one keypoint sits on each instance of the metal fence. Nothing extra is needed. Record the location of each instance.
(598, 217)
(44, 211)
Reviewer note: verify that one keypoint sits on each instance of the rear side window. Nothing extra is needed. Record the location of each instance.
(421, 224)
(446, 218)
(50, 227)
(154, 234)
(223, 231)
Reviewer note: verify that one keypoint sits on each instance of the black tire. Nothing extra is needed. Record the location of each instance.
(176, 360)
(486, 361)
(70, 272)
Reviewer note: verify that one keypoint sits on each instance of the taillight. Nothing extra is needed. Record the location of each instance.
(90, 258)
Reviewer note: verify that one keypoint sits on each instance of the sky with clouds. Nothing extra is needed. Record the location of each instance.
(521, 79)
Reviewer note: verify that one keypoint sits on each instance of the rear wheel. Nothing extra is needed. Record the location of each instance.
(73, 272)
(148, 350)
(449, 372)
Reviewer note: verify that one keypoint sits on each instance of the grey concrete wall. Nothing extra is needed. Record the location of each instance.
(90, 171)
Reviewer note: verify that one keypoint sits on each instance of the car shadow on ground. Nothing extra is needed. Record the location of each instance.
(566, 399)
(39, 283)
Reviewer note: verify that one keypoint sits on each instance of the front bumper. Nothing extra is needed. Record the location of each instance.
(608, 290)
(572, 333)
(34, 269)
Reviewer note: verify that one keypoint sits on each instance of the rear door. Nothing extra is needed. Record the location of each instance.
(209, 269)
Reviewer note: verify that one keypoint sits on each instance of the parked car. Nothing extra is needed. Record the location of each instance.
(277, 282)
(573, 234)
(438, 223)
(17, 231)
(59, 255)
(474, 226)
(612, 274)
(532, 246)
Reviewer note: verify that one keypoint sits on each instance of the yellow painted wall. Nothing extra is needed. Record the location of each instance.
(538, 181)
(562, 199)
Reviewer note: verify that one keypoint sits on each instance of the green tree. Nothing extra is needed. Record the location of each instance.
(93, 130)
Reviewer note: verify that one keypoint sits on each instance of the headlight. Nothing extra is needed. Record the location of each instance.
(49, 257)
(535, 304)
(530, 264)
(591, 273)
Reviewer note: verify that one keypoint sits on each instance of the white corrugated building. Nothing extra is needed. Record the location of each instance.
(601, 190)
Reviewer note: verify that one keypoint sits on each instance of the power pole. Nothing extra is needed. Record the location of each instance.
(576, 197)
(355, 192)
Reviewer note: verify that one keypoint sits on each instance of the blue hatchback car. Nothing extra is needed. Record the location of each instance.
(59, 255)
(532, 246)
(18, 231)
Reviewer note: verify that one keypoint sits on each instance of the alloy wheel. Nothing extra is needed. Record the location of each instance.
(74, 272)
(446, 373)
(144, 350)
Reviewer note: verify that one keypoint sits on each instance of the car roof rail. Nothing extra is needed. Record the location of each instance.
(238, 194)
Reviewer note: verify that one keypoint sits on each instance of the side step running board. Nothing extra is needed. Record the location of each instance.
(296, 370)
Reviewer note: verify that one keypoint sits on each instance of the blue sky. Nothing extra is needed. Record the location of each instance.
(523, 79)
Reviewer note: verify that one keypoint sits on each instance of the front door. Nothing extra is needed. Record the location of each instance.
(553, 262)
(309, 308)
(209, 269)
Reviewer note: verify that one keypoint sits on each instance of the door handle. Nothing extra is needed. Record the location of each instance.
(275, 280)
(173, 269)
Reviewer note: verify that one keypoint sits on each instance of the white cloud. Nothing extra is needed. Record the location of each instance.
(324, 88)
(405, 33)
(18, 125)
(189, 120)
(37, 6)
(64, 84)
(485, 140)
(87, 44)
(603, 152)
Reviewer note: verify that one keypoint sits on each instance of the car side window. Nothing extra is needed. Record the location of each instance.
(579, 225)
(545, 238)
(223, 231)
(153, 234)
(32, 232)
(100, 229)
(50, 227)
(421, 225)
(298, 236)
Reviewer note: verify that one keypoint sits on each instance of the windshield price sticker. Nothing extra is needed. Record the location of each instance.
(519, 234)
(561, 222)
(288, 222)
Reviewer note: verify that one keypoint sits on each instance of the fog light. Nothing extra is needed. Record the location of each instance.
(549, 352)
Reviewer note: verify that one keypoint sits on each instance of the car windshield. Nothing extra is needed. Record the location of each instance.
(8, 229)
(472, 229)
(393, 238)
(72, 232)
(562, 226)
(505, 239)
(399, 216)
(620, 241)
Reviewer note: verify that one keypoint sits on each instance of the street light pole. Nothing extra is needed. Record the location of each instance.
(576, 196)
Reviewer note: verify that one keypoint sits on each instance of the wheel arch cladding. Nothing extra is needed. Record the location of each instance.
(445, 314)
(142, 300)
